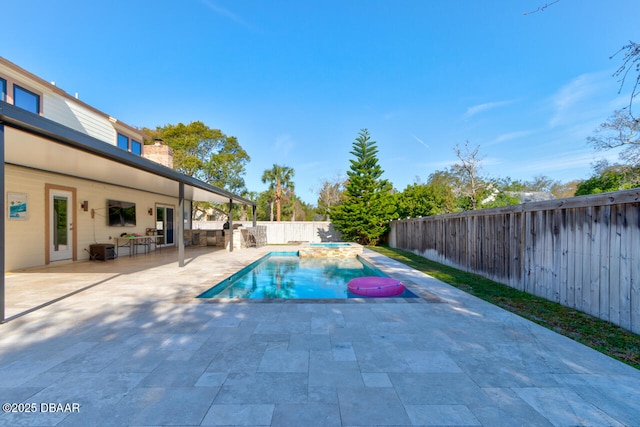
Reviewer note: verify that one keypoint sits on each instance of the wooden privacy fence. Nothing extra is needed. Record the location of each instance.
(582, 252)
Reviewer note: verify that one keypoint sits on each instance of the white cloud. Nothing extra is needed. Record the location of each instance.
(219, 10)
(557, 162)
(578, 99)
(420, 141)
(480, 108)
(509, 137)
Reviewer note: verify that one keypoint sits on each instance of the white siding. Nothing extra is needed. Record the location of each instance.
(64, 109)
(78, 117)
(25, 240)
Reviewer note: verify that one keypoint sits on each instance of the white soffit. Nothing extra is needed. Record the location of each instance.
(25, 149)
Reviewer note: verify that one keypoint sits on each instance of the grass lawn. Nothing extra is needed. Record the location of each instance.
(598, 334)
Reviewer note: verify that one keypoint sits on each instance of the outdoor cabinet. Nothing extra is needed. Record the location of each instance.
(102, 251)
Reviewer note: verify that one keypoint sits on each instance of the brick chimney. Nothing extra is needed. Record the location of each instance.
(159, 153)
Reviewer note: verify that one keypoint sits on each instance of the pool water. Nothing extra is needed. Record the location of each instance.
(284, 275)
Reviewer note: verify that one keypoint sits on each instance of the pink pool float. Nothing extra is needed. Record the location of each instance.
(374, 286)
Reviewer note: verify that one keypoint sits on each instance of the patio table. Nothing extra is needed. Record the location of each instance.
(132, 242)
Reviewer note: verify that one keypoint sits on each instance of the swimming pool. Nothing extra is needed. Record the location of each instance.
(285, 275)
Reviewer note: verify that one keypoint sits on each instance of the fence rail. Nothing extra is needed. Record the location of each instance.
(582, 252)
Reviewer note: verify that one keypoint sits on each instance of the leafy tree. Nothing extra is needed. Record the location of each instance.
(621, 130)
(205, 153)
(280, 182)
(540, 183)
(330, 195)
(565, 189)
(300, 210)
(610, 178)
(501, 198)
(244, 211)
(433, 198)
(264, 206)
(368, 203)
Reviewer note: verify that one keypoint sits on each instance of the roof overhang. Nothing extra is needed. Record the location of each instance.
(35, 142)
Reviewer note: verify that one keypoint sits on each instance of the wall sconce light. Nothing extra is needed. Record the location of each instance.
(150, 211)
(85, 205)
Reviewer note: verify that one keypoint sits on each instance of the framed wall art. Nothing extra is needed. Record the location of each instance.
(18, 206)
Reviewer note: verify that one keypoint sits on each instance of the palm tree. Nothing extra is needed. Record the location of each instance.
(280, 182)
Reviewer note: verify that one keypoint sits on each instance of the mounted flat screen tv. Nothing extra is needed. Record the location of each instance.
(121, 214)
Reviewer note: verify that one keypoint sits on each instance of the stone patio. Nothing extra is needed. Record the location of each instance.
(131, 346)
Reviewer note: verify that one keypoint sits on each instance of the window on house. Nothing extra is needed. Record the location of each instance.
(3, 90)
(136, 147)
(26, 99)
(123, 142)
(129, 144)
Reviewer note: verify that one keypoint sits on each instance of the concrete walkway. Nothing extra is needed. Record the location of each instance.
(135, 348)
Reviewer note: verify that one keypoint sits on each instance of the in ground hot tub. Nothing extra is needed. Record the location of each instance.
(330, 250)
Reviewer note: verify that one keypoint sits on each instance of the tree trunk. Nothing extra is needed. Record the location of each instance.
(278, 201)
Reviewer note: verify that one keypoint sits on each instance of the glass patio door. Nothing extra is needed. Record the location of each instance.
(60, 225)
(165, 225)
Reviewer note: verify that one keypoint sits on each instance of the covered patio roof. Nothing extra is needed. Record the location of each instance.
(72, 153)
(35, 142)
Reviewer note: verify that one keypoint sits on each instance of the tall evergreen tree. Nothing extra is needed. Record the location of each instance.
(368, 203)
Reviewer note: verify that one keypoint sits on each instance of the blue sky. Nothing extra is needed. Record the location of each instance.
(295, 81)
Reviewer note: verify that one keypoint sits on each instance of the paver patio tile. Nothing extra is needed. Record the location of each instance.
(284, 361)
(562, 407)
(610, 393)
(376, 379)
(430, 361)
(507, 409)
(264, 387)
(140, 350)
(365, 406)
(437, 389)
(146, 406)
(324, 371)
(441, 415)
(308, 415)
(309, 342)
(239, 415)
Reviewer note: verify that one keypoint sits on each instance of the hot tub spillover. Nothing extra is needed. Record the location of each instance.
(330, 250)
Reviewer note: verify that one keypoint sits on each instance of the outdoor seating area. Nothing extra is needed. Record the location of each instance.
(153, 354)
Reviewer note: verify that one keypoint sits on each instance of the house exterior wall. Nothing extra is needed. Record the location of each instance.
(60, 107)
(75, 116)
(26, 240)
